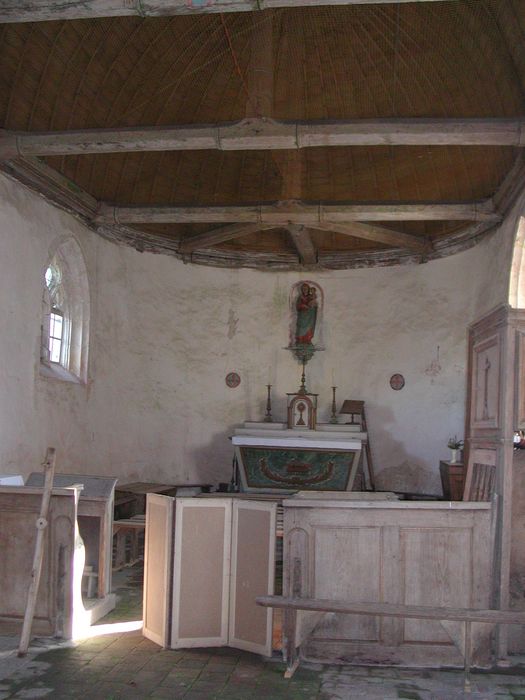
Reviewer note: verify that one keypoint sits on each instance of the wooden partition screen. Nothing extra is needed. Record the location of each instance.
(206, 561)
(495, 409)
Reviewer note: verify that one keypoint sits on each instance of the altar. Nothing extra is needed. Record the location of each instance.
(275, 458)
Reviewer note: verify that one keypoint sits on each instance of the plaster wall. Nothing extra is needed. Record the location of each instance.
(165, 334)
(34, 411)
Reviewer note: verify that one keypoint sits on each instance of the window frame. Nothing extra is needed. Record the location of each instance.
(74, 306)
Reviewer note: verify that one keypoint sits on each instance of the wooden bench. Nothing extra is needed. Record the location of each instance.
(313, 609)
(122, 529)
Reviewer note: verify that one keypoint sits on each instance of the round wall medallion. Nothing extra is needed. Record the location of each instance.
(232, 380)
(397, 382)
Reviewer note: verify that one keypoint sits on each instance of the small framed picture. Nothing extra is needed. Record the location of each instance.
(397, 381)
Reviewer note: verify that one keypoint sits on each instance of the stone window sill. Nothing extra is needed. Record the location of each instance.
(55, 371)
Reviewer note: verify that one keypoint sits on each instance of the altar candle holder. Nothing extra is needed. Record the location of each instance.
(302, 388)
(333, 417)
(268, 417)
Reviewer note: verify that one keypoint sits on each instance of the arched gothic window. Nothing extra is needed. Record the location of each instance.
(65, 315)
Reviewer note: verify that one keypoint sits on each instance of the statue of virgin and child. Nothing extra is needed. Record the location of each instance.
(306, 307)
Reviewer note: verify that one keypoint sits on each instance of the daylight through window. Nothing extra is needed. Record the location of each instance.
(56, 323)
(65, 315)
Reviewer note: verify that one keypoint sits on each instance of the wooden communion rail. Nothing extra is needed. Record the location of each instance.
(315, 605)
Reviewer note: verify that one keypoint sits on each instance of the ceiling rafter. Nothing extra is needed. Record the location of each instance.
(302, 241)
(378, 234)
(55, 187)
(45, 10)
(261, 133)
(219, 235)
(332, 260)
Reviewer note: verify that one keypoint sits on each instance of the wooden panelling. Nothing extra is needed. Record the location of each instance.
(19, 510)
(483, 482)
(201, 573)
(252, 574)
(493, 355)
(334, 548)
(435, 554)
(445, 580)
(486, 383)
(520, 380)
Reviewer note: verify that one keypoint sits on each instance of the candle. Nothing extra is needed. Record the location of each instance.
(269, 374)
(333, 377)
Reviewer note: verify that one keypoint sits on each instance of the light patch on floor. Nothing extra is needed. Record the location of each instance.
(112, 628)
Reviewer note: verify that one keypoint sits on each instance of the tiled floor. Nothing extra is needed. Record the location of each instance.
(125, 665)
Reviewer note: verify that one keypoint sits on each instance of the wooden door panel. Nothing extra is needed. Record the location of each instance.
(437, 571)
(201, 572)
(158, 548)
(252, 575)
(336, 578)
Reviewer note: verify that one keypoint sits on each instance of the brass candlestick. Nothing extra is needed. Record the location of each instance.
(302, 388)
(333, 417)
(268, 417)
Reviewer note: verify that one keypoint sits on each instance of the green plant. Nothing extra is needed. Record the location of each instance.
(455, 444)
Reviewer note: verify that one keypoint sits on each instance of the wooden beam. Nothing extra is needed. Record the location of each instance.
(54, 186)
(303, 242)
(457, 242)
(255, 133)
(378, 234)
(44, 10)
(219, 235)
(296, 212)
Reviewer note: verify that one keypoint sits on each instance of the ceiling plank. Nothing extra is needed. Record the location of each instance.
(303, 242)
(297, 212)
(44, 10)
(262, 133)
(378, 234)
(219, 235)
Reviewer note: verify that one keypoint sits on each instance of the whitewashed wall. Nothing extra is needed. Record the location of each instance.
(34, 412)
(165, 334)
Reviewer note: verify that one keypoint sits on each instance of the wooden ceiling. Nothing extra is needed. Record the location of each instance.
(328, 136)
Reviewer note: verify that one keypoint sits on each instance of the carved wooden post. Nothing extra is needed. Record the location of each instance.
(41, 524)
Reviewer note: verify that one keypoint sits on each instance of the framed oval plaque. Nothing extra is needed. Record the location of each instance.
(232, 380)
(397, 381)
